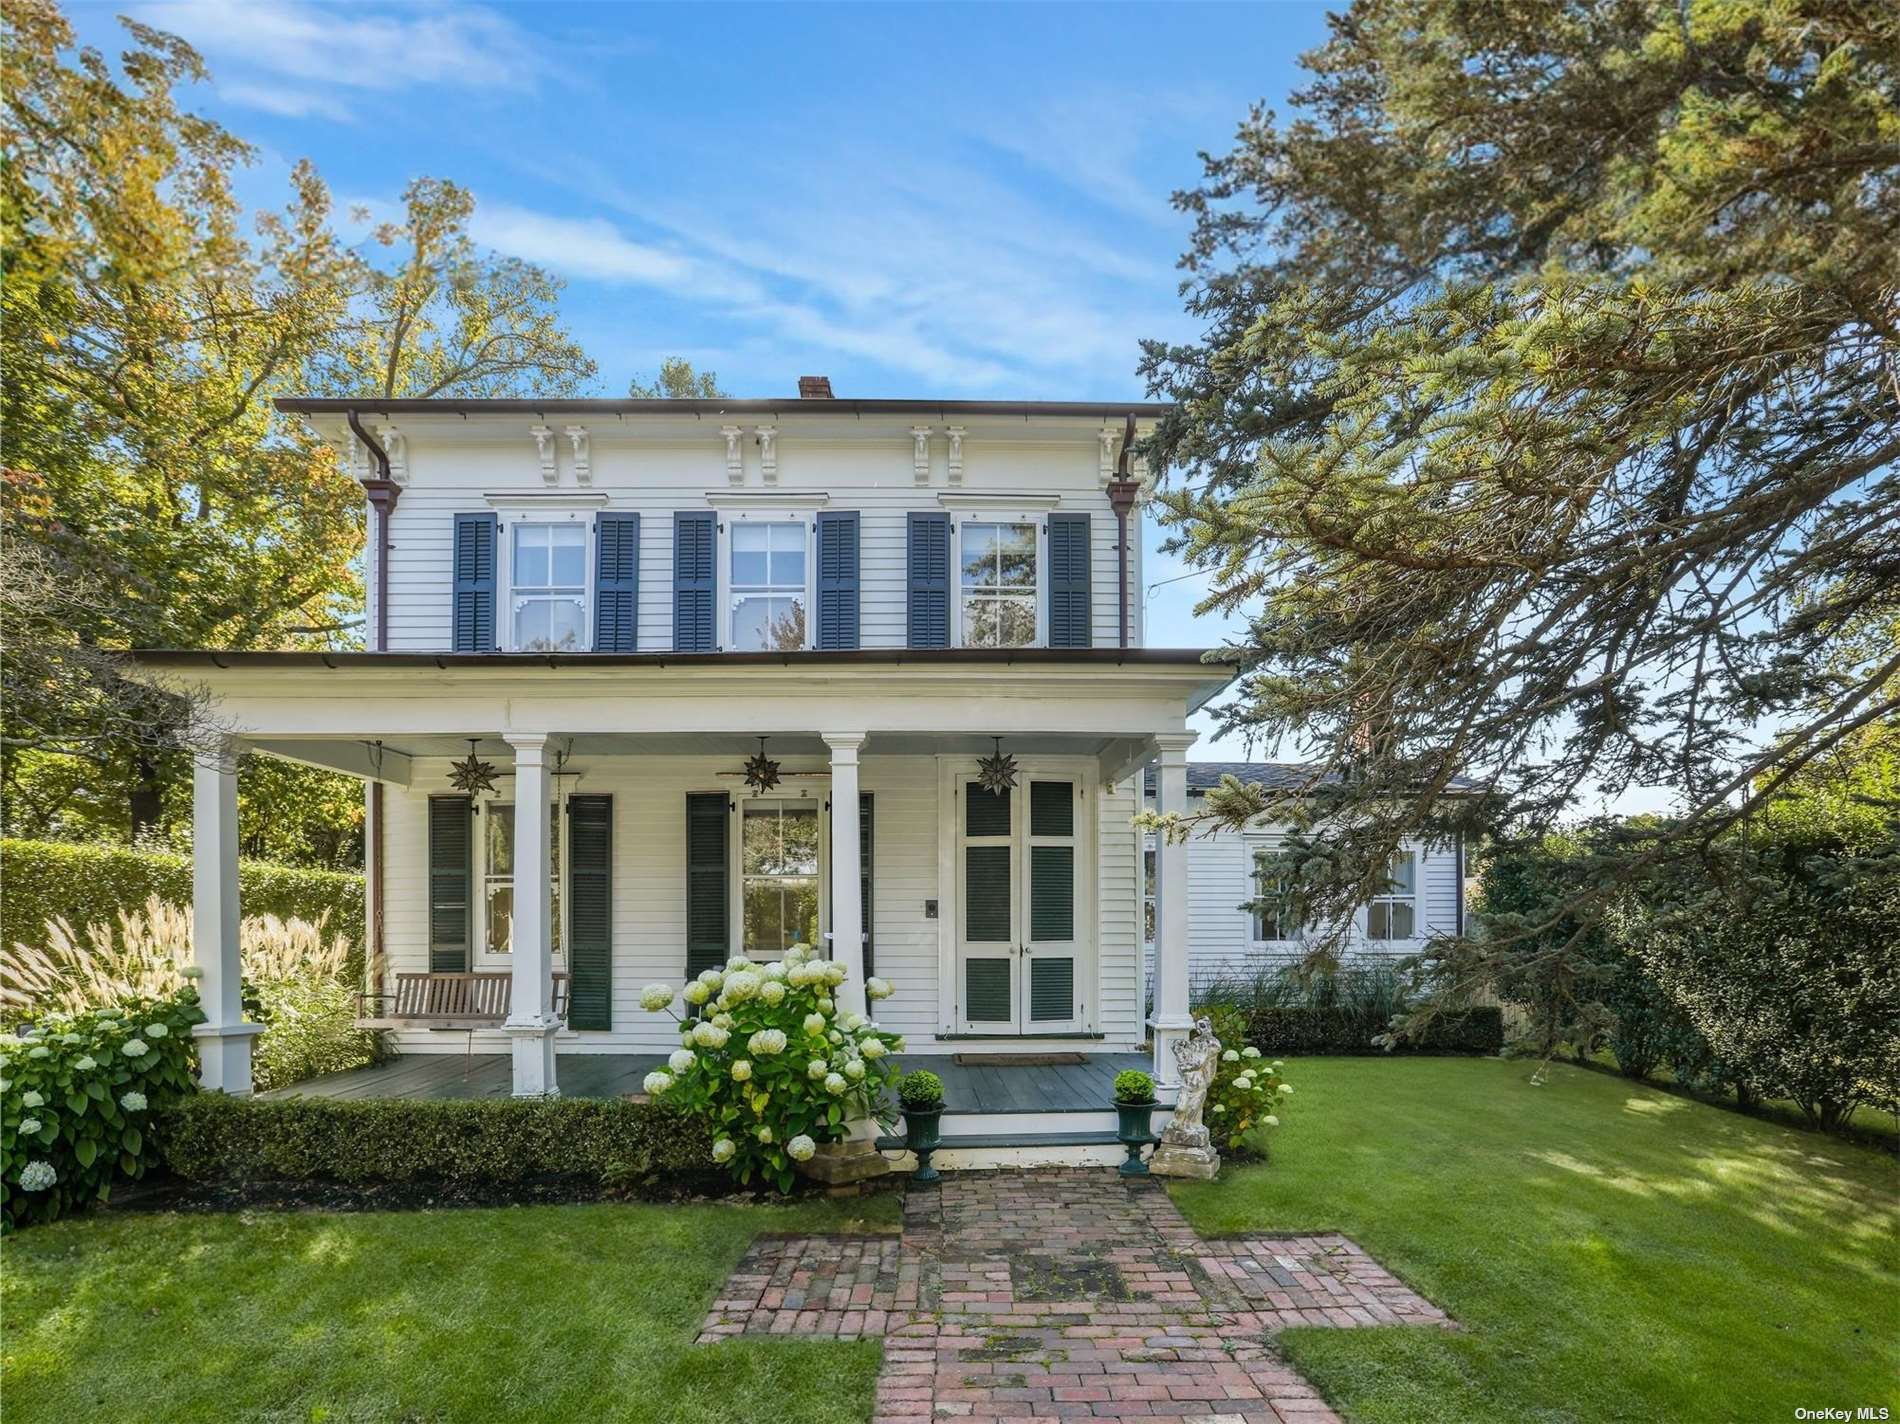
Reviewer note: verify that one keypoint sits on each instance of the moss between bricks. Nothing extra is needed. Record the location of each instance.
(212, 1138)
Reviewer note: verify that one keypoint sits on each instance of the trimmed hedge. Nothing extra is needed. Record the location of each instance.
(464, 1142)
(1293, 1029)
(88, 884)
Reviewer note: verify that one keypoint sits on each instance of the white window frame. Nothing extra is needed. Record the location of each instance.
(1039, 519)
(806, 520)
(1150, 883)
(1390, 899)
(507, 523)
(1254, 845)
(501, 958)
(809, 792)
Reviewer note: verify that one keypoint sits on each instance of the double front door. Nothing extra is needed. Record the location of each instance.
(1023, 907)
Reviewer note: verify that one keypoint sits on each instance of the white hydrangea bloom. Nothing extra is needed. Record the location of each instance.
(133, 1101)
(774, 972)
(814, 1024)
(723, 1019)
(31, 1099)
(898, 1045)
(37, 1176)
(738, 961)
(1270, 1120)
(136, 1048)
(712, 978)
(794, 955)
(827, 1004)
(835, 1037)
(742, 1071)
(724, 1149)
(872, 1048)
(834, 1083)
(741, 985)
(709, 1035)
(854, 1069)
(800, 1148)
(764, 1134)
(1244, 1081)
(696, 993)
(834, 972)
(1220, 1107)
(771, 992)
(850, 1021)
(155, 1030)
(766, 1042)
(655, 997)
(1250, 1052)
(817, 1069)
(1278, 1064)
(1229, 1056)
(657, 1083)
(681, 1059)
(878, 989)
(29, 1126)
(1286, 1090)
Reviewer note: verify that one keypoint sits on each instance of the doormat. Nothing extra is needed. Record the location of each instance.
(1018, 1060)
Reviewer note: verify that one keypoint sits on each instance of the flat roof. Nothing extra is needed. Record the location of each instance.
(793, 405)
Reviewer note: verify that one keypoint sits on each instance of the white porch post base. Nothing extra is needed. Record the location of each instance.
(224, 1057)
(533, 1049)
(1166, 1034)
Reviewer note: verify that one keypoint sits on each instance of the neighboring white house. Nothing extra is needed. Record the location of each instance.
(615, 604)
(1233, 933)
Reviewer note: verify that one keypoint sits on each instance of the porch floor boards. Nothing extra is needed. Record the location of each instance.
(1075, 1087)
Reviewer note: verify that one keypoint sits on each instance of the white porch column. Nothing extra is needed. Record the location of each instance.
(1172, 1020)
(531, 1023)
(847, 891)
(224, 1039)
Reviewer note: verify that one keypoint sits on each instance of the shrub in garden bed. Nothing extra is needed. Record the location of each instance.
(1303, 1030)
(77, 1093)
(461, 1143)
(1248, 1090)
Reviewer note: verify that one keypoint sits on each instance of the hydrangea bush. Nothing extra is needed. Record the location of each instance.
(1249, 1093)
(76, 1094)
(770, 1062)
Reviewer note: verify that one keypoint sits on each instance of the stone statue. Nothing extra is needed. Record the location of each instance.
(1186, 1150)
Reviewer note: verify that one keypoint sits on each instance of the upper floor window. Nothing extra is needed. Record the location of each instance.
(999, 574)
(766, 583)
(547, 594)
(1393, 913)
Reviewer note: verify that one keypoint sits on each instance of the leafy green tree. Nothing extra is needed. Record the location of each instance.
(1544, 423)
(677, 381)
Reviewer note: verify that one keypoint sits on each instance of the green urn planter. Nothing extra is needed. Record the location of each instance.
(922, 1138)
(1133, 1132)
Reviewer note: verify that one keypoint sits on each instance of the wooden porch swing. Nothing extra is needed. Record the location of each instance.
(442, 1001)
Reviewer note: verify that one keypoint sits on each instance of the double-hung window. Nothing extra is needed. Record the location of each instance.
(1393, 914)
(998, 563)
(1272, 915)
(778, 875)
(498, 878)
(766, 585)
(547, 587)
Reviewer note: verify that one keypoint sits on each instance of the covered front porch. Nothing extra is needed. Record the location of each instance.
(655, 746)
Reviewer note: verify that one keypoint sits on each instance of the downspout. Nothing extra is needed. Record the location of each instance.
(383, 492)
(1122, 491)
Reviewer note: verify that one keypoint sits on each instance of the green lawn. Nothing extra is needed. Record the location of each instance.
(1612, 1252)
(534, 1313)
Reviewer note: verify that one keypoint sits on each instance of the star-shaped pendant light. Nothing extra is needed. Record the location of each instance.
(761, 772)
(996, 774)
(472, 776)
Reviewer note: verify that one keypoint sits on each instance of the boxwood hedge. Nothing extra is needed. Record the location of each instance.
(464, 1143)
(1284, 1029)
(87, 884)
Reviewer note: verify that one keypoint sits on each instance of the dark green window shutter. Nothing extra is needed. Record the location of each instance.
(929, 577)
(472, 616)
(616, 582)
(451, 852)
(1051, 988)
(867, 820)
(708, 900)
(986, 894)
(985, 813)
(837, 579)
(695, 560)
(1051, 808)
(1051, 893)
(590, 936)
(1069, 554)
(986, 990)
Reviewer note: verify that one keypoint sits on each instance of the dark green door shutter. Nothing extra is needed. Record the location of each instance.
(1069, 553)
(928, 559)
(866, 820)
(616, 581)
(451, 850)
(472, 600)
(590, 938)
(695, 548)
(708, 901)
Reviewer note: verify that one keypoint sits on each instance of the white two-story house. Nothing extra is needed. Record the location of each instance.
(652, 682)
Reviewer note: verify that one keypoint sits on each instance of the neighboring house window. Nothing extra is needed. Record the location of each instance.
(999, 581)
(498, 878)
(778, 875)
(1394, 914)
(547, 578)
(1148, 894)
(767, 585)
(1273, 921)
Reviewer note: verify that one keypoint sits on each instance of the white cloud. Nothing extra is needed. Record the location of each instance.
(590, 248)
(289, 103)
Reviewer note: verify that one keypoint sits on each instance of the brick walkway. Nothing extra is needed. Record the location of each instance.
(1065, 1294)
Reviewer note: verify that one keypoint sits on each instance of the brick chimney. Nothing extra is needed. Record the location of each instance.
(815, 388)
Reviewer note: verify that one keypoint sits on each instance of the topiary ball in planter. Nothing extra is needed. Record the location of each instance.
(921, 1094)
(1132, 1086)
(1134, 1108)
